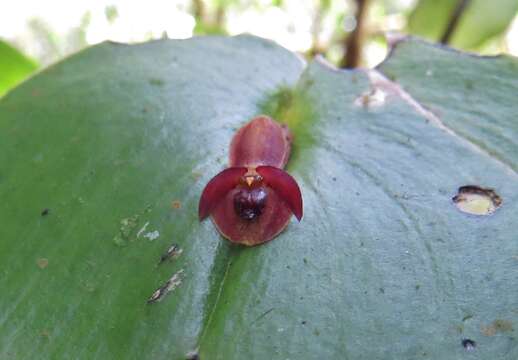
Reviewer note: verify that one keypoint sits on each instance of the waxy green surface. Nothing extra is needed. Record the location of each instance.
(118, 141)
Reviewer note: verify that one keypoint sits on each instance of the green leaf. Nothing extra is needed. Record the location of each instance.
(112, 147)
(14, 67)
(480, 21)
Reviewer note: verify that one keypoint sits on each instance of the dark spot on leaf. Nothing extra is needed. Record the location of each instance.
(172, 252)
(45, 212)
(467, 317)
(156, 82)
(469, 344)
(303, 322)
(193, 355)
(382, 290)
(476, 200)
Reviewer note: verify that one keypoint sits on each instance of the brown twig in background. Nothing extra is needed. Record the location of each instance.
(198, 9)
(454, 20)
(353, 43)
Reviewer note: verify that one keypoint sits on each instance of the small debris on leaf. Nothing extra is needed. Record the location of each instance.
(172, 252)
(142, 229)
(469, 344)
(42, 263)
(176, 204)
(45, 212)
(192, 355)
(169, 286)
(373, 98)
(152, 235)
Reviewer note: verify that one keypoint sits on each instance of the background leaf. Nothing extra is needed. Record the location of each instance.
(480, 21)
(14, 67)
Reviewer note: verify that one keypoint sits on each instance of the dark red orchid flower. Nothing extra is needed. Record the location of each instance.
(252, 201)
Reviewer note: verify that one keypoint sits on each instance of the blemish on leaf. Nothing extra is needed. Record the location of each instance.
(119, 241)
(196, 175)
(468, 344)
(152, 235)
(263, 315)
(192, 355)
(176, 204)
(476, 200)
(172, 252)
(156, 82)
(142, 229)
(42, 263)
(467, 317)
(169, 286)
(497, 326)
(126, 229)
(128, 225)
(45, 212)
(373, 98)
(88, 286)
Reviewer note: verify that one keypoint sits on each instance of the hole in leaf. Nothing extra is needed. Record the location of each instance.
(475, 200)
(469, 344)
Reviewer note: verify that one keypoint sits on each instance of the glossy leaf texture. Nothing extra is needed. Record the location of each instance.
(102, 167)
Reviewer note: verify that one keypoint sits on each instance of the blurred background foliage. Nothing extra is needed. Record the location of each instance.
(348, 33)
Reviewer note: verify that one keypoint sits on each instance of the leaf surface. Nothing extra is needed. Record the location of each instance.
(383, 264)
